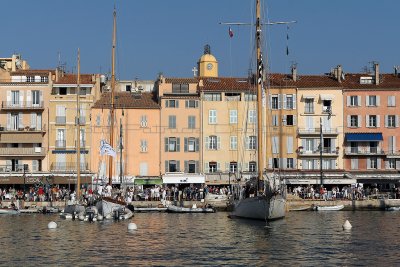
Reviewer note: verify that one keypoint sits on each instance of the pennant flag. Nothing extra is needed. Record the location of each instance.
(106, 149)
(230, 32)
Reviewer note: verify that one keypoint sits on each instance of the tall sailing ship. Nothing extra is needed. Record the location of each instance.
(263, 197)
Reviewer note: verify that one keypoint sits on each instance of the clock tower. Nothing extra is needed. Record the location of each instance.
(207, 64)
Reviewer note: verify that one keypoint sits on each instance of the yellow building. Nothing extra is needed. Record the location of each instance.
(62, 136)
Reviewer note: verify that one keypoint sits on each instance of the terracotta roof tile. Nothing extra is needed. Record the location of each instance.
(32, 72)
(72, 79)
(303, 81)
(182, 80)
(128, 100)
(352, 81)
(226, 84)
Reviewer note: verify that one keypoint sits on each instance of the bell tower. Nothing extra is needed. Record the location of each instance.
(207, 64)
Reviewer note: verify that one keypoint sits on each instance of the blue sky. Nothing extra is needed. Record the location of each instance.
(168, 36)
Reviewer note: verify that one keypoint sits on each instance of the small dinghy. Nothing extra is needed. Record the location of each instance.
(329, 208)
(13, 210)
(393, 209)
(193, 209)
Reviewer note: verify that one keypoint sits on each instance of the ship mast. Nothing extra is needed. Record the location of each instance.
(259, 77)
(110, 169)
(78, 129)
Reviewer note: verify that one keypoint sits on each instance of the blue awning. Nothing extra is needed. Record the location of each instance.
(363, 137)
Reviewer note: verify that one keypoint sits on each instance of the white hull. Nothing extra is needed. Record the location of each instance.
(9, 211)
(106, 208)
(260, 208)
(176, 209)
(330, 208)
(393, 209)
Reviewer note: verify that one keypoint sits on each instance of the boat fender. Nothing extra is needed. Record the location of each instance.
(347, 225)
(52, 225)
(132, 226)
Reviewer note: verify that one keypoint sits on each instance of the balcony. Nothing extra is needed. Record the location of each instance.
(22, 105)
(326, 152)
(12, 168)
(61, 119)
(69, 167)
(350, 151)
(316, 131)
(22, 151)
(61, 144)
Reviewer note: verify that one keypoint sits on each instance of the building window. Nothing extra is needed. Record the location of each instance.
(275, 120)
(171, 103)
(252, 143)
(212, 167)
(213, 142)
(233, 143)
(309, 105)
(274, 102)
(212, 97)
(233, 116)
(289, 163)
(143, 121)
(190, 144)
(252, 118)
(172, 122)
(372, 121)
(180, 88)
(373, 163)
(372, 101)
(354, 121)
(192, 122)
(30, 79)
(391, 120)
(98, 119)
(143, 145)
(44, 79)
(353, 101)
(289, 120)
(35, 98)
(250, 97)
(327, 106)
(62, 91)
(252, 166)
(128, 88)
(212, 116)
(172, 166)
(233, 167)
(172, 144)
(191, 104)
(275, 163)
(289, 102)
(15, 98)
(391, 101)
(391, 164)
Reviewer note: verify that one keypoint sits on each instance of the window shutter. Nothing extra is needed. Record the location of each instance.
(333, 145)
(284, 101)
(206, 143)
(166, 166)
(316, 143)
(206, 167)
(269, 163)
(366, 120)
(218, 142)
(21, 98)
(359, 100)
(397, 164)
(166, 103)
(186, 166)
(304, 164)
(8, 98)
(8, 121)
(294, 120)
(386, 120)
(21, 125)
(178, 167)
(378, 100)
(186, 103)
(295, 163)
(294, 101)
(394, 100)
(386, 164)
(289, 144)
(197, 144)
(35, 165)
(315, 164)
(39, 122)
(368, 163)
(166, 144)
(397, 121)
(359, 121)
(284, 163)
(270, 101)
(378, 120)
(333, 164)
(177, 103)
(284, 120)
(367, 100)
(227, 166)
(348, 120)
(394, 144)
(390, 144)
(33, 120)
(29, 98)
(197, 168)
(178, 144)
(348, 101)
(185, 140)
(280, 101)
(379, 163)
(218, 166)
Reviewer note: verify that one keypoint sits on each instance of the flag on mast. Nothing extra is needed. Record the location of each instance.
(106, 149)
(230, 32)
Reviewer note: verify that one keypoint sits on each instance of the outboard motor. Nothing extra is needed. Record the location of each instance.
(91, 216)
(73, 215)
(116, 214)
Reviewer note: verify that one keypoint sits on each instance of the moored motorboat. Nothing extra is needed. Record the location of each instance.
(393, 209)
(11, 211)
(329, 208)
(193, 209)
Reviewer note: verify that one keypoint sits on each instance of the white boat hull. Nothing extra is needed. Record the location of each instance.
(176, 209)
(260, 208)
(330, 208)
(9, 211)
(106, 208)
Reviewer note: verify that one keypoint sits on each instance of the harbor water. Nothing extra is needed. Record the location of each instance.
(302, 239)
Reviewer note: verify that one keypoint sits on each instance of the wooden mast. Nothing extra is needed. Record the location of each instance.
(78, 129)
(110, 169)
(259, 77)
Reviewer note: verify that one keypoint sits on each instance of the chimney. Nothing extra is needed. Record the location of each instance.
(294, 72)
(339, 73)
(376, 67)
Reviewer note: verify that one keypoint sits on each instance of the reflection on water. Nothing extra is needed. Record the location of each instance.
(162, 239)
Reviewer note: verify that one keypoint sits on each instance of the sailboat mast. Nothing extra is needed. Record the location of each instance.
(78, 129)
(259, 77)
(110, 169)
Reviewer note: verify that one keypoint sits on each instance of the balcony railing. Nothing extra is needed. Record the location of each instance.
(326, 151)
(13, 168)
(68, 167)
(41, 128)
(61, 143)
(309, 110)
(22, 105)
(308, 131)
(22, 151)
(363, 151)
(61, 119)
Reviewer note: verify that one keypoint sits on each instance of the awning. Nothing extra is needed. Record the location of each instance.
(318, 181)
(308, 96)
(150, 181)
(363, 137)
(183, 179)
(326, 97)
